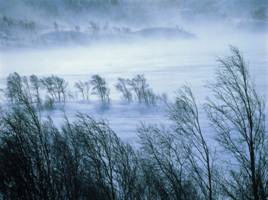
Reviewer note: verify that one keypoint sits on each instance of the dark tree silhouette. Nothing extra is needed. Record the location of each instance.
(186, 116)
(56, 87)
(237, 114)
(83, 88)
(122, 87)
(99, 88)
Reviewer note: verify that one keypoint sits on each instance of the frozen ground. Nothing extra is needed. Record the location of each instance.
(167, 64)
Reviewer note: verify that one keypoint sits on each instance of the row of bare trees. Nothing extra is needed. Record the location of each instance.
(31, 88)
(85, 159)
(137, 89)
(132, 90)
(45, 92)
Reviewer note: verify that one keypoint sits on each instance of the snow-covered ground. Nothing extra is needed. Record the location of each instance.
(167, 65)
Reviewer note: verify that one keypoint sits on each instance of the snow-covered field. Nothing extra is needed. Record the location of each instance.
(167, 65)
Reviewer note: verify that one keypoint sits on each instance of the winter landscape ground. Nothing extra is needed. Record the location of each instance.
(167, 64)
(169, 43)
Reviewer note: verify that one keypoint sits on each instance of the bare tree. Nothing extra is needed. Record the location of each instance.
(237, 114)
(99, 88)
(56, 88)
(26, 159)
(21, 90)
(143, 93)
(83, 88)
(18, 91)
(38, 161)
(36, 87)
(112, 165)
(139, 86)
(129, 172)
(15, 91)
(122, 87)
(186, 116)
(166, 163)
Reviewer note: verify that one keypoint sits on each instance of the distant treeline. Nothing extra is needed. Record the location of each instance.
(85, 159)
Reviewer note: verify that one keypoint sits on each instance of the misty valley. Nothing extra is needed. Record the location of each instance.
(133, 100)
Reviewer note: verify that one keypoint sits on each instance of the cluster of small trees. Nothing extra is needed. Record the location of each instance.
(137, 89)
(22, 89)
(85, 159)
(45, 92)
